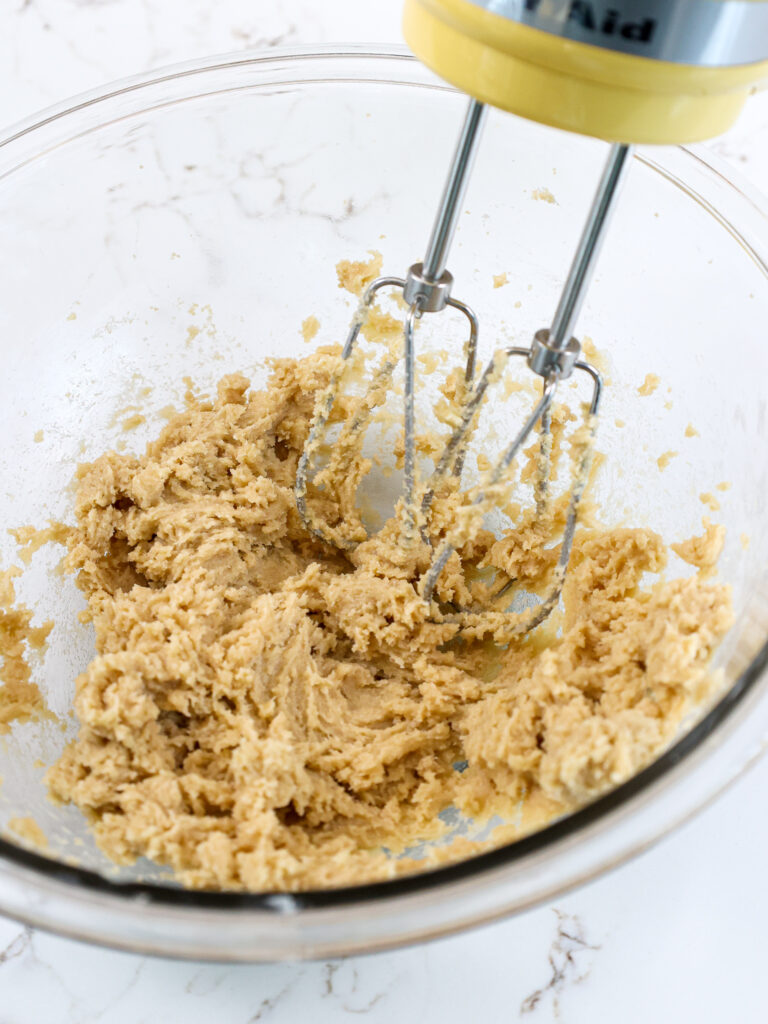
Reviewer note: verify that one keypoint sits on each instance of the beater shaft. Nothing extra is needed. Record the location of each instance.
(555, 349)
(455, 189)
(585, 257)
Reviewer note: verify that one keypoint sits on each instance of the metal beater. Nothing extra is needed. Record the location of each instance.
(553, 355)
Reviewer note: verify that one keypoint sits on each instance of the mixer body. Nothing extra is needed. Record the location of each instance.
(631, 71)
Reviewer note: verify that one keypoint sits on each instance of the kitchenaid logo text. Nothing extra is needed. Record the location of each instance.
(589, 16)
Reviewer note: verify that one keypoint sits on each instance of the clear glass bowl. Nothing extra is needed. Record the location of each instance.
(218, 196)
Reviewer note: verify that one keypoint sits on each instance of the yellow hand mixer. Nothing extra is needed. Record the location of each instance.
(626, 71)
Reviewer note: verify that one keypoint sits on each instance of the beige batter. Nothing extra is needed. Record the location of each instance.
(20, 697)
(265, 713)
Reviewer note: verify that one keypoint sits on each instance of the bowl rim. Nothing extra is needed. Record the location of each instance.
(214, 62)
(570, 826)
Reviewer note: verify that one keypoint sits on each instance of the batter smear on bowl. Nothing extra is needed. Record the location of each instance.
(264, 712)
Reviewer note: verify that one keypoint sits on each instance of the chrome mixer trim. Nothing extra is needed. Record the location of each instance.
(706, 33)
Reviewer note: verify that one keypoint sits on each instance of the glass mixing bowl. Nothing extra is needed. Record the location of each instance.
(184, 224)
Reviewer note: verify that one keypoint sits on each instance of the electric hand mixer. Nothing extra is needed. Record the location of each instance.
(626, 71)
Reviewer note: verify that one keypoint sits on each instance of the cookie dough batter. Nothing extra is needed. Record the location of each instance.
(266, 713)
(20, 698)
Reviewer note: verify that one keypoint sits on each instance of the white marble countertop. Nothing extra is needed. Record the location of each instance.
(677, 935)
